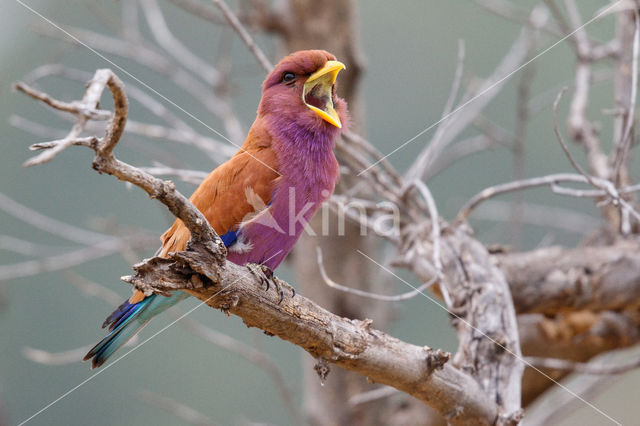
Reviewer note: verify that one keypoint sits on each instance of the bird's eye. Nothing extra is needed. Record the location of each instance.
(288, 77)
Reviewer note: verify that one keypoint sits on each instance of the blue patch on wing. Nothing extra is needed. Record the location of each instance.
(272, 196)
(229, 238)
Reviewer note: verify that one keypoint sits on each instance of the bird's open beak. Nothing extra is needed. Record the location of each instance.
(316, 93)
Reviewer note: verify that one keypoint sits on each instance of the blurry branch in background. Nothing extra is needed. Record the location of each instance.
(583, 367)
(259, 358)
(572, 303)
(455, 119)
(543, 216)
(93, 245)
(181, 411)
(58, 358)
(557, 407)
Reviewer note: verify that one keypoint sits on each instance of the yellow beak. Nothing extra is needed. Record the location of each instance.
(316, 93)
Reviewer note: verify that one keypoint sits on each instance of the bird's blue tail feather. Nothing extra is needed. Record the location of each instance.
(126, 321)
(123, 327)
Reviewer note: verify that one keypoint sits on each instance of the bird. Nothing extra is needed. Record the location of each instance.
(261, 199)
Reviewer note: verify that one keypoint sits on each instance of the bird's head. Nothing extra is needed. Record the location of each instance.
(302, 89)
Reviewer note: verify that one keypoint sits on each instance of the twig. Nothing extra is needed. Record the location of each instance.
(92, 288)
(544, 98)
(578, 193)
(561, 141)
(50, 225)
(606, 187)
(191, 176)
(466, 112)
(583, 367)
(259, 358)
(65, 260)
(244, 35)
(435, 236)
(343, 205)
(424, 160)
(374, 296)
(374, 395)
(156, 62)
(28, 248)
(34, 128)
(83, 109)
(366, 146)
(78, 108)
(55, 358)
(435, 225)
(582, 42)
(518, 147)
(129, 28)
(555, 405)
(88, 141)
(510, 11)
(216, 150)
(459, 151)
(182, 55)
(539, 215)
(143, 97)
(182, 411)
(625, 142)
(201, 10)
(578, 124)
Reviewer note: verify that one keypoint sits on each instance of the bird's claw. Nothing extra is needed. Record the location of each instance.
(265, 275)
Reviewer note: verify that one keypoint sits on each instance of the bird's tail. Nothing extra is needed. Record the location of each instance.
(126, 321)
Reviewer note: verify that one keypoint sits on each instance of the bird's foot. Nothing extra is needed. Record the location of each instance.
(265, 275)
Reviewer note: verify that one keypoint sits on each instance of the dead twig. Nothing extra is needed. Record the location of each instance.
(583, 367)
(606, 188)
(374, 296)
(180, 410)
(259, 358)
(573, 162)
(244, 35)
(182, 55)
(625, 142)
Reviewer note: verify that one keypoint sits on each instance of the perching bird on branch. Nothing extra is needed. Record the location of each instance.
(260, 200)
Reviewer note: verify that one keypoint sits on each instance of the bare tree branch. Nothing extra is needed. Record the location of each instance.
(233, 20)
(556, 279)
(549, 180)
(625, 142)
(583, 367)
(182, 411)
(459, 117)
(382, 297)
(174, 47)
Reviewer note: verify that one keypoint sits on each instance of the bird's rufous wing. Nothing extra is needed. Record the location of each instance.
(223, 197)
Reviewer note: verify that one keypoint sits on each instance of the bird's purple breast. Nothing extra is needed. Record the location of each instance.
(309, 172)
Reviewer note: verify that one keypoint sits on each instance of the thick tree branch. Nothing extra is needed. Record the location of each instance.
(489, 345)
(351, 344)
(557, 279)
(576, 336)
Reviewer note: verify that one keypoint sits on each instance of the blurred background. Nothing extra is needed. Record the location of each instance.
(410, 50)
